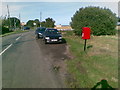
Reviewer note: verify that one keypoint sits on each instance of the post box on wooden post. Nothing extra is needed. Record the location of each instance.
(85, 35)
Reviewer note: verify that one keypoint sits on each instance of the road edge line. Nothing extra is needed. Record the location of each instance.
(18, 38)
(5, 49)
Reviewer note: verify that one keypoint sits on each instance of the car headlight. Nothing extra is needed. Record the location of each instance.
(60, 37)
(40, 33)
(47, 38)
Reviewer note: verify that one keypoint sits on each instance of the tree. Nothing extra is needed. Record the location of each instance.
(11, 23)
(43, 24)
(15, 22)
(101, 20)
(49, 23)
(4, 26)
(30, 23)
(37, 22)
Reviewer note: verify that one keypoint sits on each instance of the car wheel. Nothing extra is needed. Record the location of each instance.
(36, 37)
(43, 39)
(45, 42)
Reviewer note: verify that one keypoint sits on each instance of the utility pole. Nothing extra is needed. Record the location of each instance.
(14, 24)
(9, 18)
(5, 17)
(20, 21)
(40, 18)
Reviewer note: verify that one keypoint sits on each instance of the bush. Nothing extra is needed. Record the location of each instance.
(101, 21)
(4, 30)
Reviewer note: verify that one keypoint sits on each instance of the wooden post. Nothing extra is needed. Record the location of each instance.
(85, 44)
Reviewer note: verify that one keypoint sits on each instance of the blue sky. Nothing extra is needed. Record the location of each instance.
(61, 12)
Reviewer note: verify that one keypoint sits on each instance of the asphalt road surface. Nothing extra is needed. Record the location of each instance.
(28, 63)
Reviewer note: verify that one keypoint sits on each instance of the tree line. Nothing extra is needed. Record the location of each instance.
(48, 23)
(9, 24)
(102, 21)
(13, 23)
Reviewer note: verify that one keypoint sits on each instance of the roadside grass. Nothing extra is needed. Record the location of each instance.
(14, 32)
(100, 61)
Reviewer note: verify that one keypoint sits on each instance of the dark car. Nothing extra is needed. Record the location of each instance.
(52, 35)
(26, 28)
(39, 32)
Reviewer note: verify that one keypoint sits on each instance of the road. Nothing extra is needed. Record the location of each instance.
(28, 63)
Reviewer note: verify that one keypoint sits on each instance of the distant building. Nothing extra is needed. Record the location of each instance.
(118, 23)
(118, 26)
(63, 27)
(59, 25)
(23, 23)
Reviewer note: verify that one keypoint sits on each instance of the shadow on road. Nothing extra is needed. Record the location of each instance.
(63, 41)
(57, 50)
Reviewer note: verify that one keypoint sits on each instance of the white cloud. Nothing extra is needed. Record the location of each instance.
(0, 9)
(16, 8)
(119, 9)
(12, 8)
(113, 6)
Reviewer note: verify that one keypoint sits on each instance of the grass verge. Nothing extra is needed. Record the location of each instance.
(100, 61)
(14, 32)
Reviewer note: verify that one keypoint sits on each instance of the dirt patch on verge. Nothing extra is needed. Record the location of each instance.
(56, 55)
(68, 53)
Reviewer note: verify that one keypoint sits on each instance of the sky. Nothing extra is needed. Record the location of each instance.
(61, 12)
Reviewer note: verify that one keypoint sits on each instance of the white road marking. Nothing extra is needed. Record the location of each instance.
(9, 46)
(18, 38)
(5, 49)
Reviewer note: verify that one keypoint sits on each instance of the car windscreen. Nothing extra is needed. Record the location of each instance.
(52, 31)
(41, 29)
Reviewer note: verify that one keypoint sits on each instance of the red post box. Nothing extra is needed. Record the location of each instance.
(86, 33)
